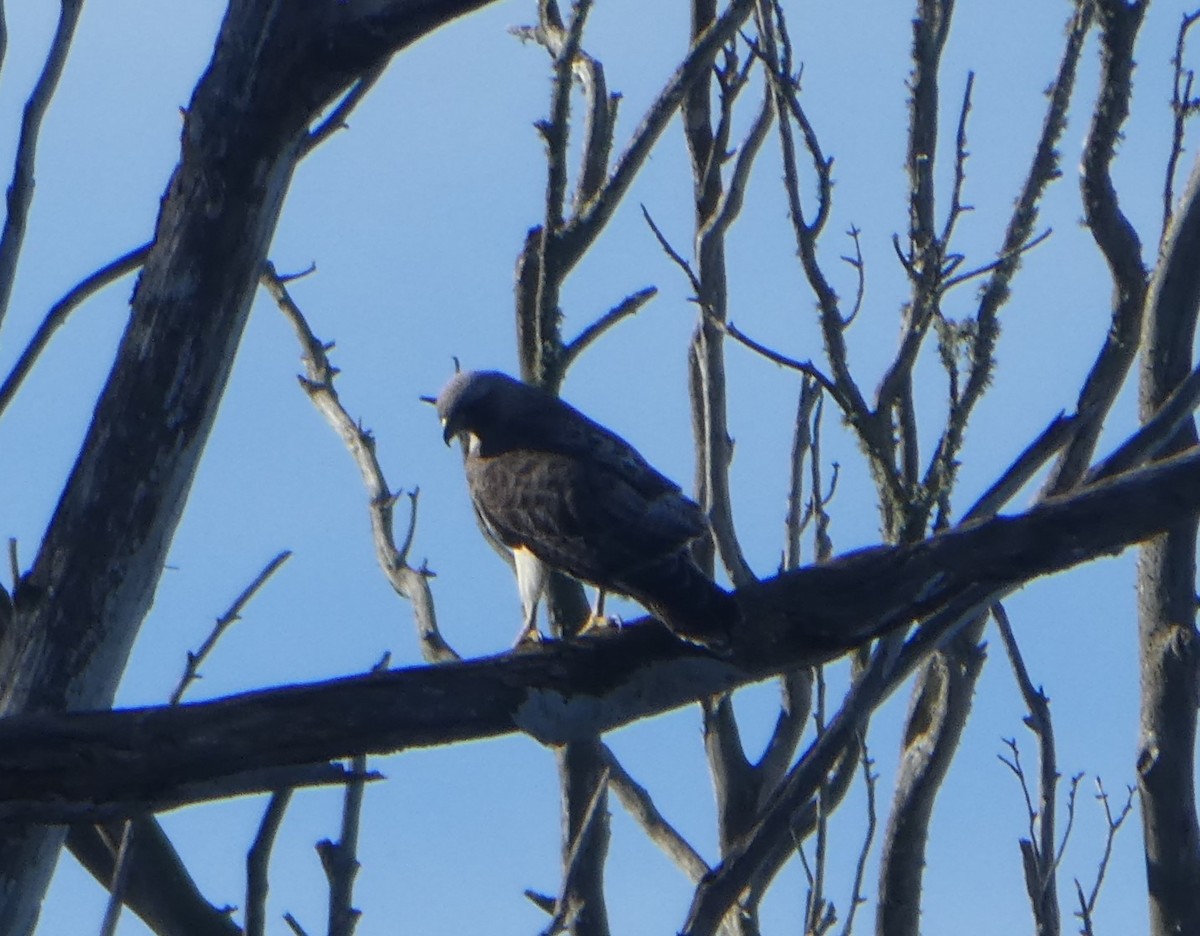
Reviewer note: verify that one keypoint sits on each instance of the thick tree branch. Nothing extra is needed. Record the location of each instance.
(159, 888)
(275, 67)
(1169, 643)
(1114, 235)
(56, 765)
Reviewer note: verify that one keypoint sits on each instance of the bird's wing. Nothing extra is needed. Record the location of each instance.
(547, 424)
(578, 514)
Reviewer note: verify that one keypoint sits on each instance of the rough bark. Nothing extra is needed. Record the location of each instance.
(78, 609)
(64, 767)
(1169, 643)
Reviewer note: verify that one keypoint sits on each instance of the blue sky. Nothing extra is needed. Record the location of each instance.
(414, 217)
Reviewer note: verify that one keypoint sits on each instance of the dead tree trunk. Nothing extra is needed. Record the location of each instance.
(1170, 653)
(78, 609)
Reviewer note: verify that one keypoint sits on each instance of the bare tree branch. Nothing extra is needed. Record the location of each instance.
(20, 189)
(340, 858)
(638, 803)
(78, 610)
(857, 899)
(61, 766)
(159, 888)
(1041, 865)
(116, 887)
(1113, 233)
(833, 324)
(337, 117)
(1169, 644)
(580, 232)
(628, 306)
(1087, 906)
(258, 859)
(59, 312)
(409, 583)
(1183, 107)
(191, 671)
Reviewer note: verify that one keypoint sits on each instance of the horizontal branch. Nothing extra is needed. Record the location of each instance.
(71, 766)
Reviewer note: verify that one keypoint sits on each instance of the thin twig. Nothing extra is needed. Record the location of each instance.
(116, 887)
(817, 907)
(674, 254)
(191, 671)
(1043, 169)
(857, 898)
(1088, 906)
(804, 367)
(822, 544)
(796, 517)
(841, 384)
(556, 130)
(350, 100)
(1004, 259)
(735, 192)
(20, 189)
(1183, 107)
(628, 306)
(860, 273)
(59, 312)
(957, 208)
(601, 113)
(340, 858)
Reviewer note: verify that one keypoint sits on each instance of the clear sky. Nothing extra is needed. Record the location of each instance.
(414, 217)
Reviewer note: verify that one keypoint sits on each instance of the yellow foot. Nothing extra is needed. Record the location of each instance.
(528, 639)
(597, 622)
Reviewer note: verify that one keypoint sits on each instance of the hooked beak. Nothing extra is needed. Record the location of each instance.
(448, 431)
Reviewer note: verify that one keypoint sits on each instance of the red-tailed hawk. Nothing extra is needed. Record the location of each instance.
(564, 493)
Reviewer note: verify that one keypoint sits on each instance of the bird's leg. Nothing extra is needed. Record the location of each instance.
(596, 619)
(531, 583)
(529, 633)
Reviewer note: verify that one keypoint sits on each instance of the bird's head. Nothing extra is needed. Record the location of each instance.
(470, 400)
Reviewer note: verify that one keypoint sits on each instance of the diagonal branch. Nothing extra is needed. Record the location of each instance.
(58, 313)
(582, 230)
(55, 766)
(408, 582)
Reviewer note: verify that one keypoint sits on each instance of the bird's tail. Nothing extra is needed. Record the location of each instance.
(685, 599)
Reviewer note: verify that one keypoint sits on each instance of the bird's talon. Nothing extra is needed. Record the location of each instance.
(529, 639)
(597, 622)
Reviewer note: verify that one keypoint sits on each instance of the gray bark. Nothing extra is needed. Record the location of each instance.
(78, 609)
(65, 767)
(1169, 647)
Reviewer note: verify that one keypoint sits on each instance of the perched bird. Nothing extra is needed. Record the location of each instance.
(564, 493)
